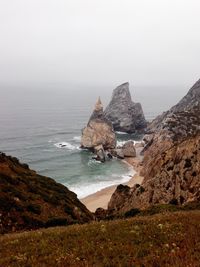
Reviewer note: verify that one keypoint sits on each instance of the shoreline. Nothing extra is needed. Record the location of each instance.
(101, 198)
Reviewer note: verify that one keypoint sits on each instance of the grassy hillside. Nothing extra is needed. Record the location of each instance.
(170, 239)
(29, 200)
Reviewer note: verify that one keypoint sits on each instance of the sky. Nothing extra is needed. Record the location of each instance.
(100, 42)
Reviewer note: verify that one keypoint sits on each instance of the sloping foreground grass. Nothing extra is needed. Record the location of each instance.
(171, 239)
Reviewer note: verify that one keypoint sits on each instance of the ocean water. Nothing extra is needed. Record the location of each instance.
(42, 127)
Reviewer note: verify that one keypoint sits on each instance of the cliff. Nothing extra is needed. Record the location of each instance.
(29, 200)
(171, 159)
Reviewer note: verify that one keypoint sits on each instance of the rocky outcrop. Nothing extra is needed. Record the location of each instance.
(171, 159)
(100, 153)
(127, 150)
(185, 108)
(99, 131)
(29, 200)
(125, 115)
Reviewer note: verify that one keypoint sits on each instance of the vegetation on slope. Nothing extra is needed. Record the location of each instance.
(171, 239)
(30, 201)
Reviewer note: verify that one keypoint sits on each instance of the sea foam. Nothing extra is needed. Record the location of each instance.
(66, 145)
(77, 138)
(87, 189)
(122, 142)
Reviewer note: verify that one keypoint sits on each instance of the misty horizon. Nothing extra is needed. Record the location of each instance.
(90, 43)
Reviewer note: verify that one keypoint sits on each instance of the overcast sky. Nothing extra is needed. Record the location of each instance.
(145, 42)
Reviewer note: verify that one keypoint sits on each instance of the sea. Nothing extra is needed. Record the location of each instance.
(42, 124)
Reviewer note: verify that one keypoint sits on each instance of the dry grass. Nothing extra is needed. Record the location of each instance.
(171, 239)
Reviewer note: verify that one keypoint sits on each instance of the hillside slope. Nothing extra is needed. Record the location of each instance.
(170, 239)
(29, 200)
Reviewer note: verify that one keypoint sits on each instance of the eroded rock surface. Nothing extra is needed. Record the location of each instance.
(125, 115)
(99, 130)
(129, 149)
(171, 166)
(125, 151)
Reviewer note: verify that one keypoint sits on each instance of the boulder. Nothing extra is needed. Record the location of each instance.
(119, 197)
(125, 115)
(100, 214)
(129, 149)
(100, 153)
(139, 145)
(118, 152)
(99, 130)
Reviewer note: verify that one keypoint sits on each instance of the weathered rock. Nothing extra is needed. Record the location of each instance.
(125, 115)
(129, 149)
(108, 155)
(119, 196)
(118, 152)
(100, 214)
(100, 153)
(184, 110)
(171, 159)
(99, 130)
(140, 145)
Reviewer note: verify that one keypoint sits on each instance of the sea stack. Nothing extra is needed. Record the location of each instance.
(125, 115)
(99, 134)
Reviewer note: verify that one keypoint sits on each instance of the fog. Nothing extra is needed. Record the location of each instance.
(99, 43)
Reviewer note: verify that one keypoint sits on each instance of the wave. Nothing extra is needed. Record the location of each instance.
(77, 138)
(66, 145)
(87, 189)
(118, 132)
(93, 162)
(122, 142)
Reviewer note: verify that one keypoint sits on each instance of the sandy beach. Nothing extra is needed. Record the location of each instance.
(102, 197)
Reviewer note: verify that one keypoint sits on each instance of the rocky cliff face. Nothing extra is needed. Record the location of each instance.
(125, 115)
(29, 200)
(99, 130)
(187, 106)
(171, 167)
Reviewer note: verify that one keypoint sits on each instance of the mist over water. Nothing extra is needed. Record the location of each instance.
(42, 127)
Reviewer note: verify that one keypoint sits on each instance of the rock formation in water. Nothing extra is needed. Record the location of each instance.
(99, 133)
(126, 151)
(125, 115)
(171, 166)
(29, 200)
